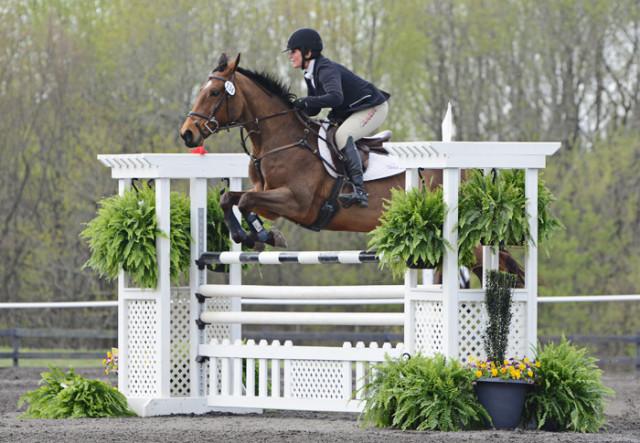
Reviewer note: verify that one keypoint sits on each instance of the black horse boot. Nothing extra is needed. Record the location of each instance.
(353, 165)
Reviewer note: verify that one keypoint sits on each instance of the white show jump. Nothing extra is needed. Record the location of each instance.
(168, 364)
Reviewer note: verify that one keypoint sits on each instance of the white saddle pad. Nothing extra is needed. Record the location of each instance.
(380, 166)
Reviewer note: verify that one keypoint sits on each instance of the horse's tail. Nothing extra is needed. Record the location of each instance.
(510, 265)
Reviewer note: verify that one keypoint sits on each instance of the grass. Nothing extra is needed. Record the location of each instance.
(57, 363)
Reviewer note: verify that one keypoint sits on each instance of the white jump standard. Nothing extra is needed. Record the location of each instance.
(169, 365)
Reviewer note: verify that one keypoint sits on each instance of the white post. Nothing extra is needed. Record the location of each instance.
(123, 324)
(450, 279)
(412, 177)
(531, 263)
(235, 270)
(163, 207)
(197, 277)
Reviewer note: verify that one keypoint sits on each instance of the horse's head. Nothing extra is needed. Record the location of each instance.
(214, 106)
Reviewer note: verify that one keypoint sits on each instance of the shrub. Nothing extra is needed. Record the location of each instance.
(569, 394)
(423, 393)
(73, 396)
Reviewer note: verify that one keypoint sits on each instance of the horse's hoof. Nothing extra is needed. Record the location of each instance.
(249, 243)
(276, 239)
(240, 237)
(259, 246)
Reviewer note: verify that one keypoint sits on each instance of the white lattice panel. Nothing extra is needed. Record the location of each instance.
(316, 379)
(517, 346)
(216, 332)
(428, 334)
(473, 320)
(180, 343)
(142, 339)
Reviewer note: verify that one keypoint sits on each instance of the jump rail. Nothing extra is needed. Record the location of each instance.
(305, 318)
(303, 292)
(278, 258)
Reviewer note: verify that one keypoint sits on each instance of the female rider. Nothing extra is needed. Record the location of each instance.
(357, 106)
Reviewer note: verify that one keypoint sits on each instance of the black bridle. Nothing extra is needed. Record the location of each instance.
(229, 89)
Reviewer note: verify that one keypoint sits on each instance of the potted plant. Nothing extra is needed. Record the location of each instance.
(569, 394)
(501, 385)
(123, 236)
(422, 393)
(548, 223)
(492, 212)
(410, 230)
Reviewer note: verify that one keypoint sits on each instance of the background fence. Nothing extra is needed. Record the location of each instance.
(613, 351)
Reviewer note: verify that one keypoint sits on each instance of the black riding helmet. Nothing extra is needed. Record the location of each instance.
(305, 39)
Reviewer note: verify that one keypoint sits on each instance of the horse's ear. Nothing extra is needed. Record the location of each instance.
(234, 65)
(223, 61)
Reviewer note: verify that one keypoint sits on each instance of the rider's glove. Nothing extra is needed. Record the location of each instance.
(300, 104)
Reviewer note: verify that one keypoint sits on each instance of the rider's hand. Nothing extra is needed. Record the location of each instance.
(300, 104)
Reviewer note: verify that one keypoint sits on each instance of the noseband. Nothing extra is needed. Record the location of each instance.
(229, 90)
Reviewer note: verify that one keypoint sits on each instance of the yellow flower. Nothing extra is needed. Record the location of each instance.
(530, 373)
(109, 354)
(494, 372)
(526, 360)
(506, 363)
(106, 370)
(503, 370)
(104, 361)
(483, 366)
(478, 373)
(537, 364)
(521, 366)
(471, 358)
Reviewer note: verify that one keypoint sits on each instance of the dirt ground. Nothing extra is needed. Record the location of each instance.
(623, 414)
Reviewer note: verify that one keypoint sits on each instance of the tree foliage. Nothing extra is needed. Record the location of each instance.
(78, 79)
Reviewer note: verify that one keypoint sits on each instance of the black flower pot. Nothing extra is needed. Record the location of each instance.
(503, 400)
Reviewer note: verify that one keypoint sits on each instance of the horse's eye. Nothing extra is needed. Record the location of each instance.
(214, 93)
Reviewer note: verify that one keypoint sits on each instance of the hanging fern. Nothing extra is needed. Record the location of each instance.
(123, 236)
(410, 230)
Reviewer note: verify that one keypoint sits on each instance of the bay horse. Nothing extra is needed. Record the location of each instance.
(288, 175)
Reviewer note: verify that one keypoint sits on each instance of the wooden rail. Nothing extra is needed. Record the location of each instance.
(17, 333)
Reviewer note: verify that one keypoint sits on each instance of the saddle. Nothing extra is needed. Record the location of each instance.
(365, 145)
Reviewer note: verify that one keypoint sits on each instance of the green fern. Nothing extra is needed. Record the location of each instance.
(73, 396)
(123, 236)
(548, 223)
(410, 230)
(569, 394)
(422, 393)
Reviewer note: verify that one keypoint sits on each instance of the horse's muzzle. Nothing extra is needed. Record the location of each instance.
(189, 140)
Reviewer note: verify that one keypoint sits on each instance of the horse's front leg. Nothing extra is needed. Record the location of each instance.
(228, 200)
(275, 202)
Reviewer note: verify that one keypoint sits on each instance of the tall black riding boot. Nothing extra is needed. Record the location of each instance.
(354, 171)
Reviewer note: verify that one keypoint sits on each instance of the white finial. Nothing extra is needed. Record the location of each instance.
(447, 125)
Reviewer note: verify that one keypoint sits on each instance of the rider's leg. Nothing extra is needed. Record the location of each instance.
(358, 125)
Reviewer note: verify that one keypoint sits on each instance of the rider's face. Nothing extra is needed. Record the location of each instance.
(296, 58)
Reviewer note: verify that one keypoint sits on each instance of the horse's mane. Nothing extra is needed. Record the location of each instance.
(266, 80)
(271, 83)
